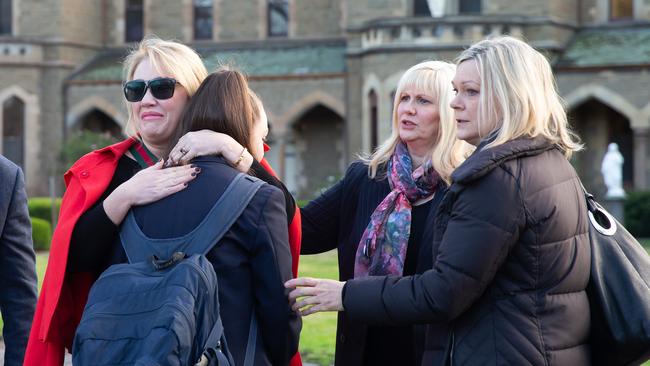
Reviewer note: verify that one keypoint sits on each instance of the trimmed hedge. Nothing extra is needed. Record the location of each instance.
(41, 207)
(80, 143)
(41, 233)
(637, 214)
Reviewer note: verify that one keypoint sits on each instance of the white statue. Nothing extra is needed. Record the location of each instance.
(612, 169)
(436, 8)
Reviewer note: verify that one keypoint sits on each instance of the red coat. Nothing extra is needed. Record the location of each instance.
(63, 297)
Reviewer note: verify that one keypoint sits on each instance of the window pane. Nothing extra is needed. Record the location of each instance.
(5, 16)
(621, 9)
(13, 120)
(278, 17)
(374, 122)
(202, 19)
(134, 20)
(421, 8)
(469, 7)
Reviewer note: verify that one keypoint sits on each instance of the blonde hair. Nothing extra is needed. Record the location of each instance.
(434, 78)
(519, 94)
(169, 58)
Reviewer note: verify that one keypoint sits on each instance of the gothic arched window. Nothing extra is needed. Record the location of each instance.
(134, 20)
(13, 130)
(5, 16)
(421, 8)
(202, 19)
(278, 18)
(374, 120)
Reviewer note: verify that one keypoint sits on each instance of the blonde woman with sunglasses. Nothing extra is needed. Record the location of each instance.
(102, 186)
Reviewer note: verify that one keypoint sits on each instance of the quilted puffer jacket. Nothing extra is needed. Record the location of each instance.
(511, 264)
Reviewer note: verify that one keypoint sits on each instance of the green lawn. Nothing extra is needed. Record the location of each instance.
(318, 336)
(41, 264)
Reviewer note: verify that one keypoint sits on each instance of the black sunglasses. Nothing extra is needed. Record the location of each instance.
(161, 88)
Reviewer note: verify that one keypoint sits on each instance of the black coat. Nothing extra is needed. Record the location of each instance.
(252, 260)
(337, 220)
(512, 262)
(17, 269)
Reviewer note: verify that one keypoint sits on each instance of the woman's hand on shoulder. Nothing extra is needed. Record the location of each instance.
(313, 295)
(208, 142)
(146, 186)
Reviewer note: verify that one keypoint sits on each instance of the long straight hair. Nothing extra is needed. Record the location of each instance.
(434, 78)
(518, 93)
(223, 103)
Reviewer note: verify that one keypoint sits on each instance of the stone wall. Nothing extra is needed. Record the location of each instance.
(318, 18)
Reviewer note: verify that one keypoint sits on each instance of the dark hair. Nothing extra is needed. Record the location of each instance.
(223, 103)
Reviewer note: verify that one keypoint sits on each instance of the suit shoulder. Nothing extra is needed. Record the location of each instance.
(7, 166)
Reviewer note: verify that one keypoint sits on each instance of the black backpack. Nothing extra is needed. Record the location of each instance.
(162, 307)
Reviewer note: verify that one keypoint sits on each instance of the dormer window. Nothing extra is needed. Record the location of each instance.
(134, 20)
(5, 17)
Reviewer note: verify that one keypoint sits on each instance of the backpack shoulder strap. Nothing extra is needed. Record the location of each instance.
(223, 214)
(201, 239)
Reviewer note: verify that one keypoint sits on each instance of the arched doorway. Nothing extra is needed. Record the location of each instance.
(99, 122)
(13, 130)
(318, 144)
(597, 124)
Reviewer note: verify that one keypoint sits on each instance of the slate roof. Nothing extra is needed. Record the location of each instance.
(317, 59)
(602, 47)
(277, 60)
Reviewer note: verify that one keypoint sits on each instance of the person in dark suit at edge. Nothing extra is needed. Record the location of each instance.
(17, 263)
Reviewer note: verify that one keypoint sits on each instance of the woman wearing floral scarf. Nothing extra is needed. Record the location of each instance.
(379, 216)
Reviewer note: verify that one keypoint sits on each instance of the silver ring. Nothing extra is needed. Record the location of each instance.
(183, 151)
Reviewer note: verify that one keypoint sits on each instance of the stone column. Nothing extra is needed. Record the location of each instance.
(641, 144)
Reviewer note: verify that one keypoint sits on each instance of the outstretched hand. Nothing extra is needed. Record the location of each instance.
(313, 295)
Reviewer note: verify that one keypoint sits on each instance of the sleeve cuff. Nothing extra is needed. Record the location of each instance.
(362, 300)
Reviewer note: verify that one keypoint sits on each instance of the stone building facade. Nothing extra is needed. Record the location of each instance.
(326, 70)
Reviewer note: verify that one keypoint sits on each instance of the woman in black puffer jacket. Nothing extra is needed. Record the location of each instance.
(511, 250)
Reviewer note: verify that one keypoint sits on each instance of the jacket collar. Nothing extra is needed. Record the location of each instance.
(483, 160)
(112, 152)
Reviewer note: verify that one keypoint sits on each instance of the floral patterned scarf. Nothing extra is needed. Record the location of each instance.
(382, 248)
